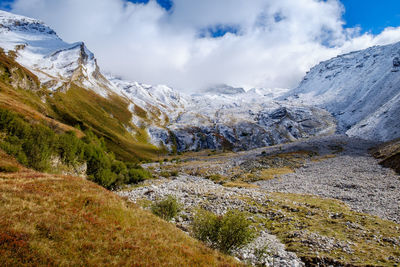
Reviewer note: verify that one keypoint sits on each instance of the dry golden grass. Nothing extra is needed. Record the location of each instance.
(239, 184)
(59, 220)
(272, 173)
(324, 157)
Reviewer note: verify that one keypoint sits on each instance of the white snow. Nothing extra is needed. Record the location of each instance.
(362, 89)
(40, 49)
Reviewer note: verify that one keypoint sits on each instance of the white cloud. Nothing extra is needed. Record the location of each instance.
(277, 40)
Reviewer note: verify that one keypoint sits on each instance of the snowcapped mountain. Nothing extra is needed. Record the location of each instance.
(220, 117)
(224, 89)
(235, 119)
(361, 89)
(55, 62)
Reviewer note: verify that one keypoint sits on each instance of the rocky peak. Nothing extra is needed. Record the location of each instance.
(12, 22)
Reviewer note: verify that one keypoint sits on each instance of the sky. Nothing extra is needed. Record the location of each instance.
(192, 44)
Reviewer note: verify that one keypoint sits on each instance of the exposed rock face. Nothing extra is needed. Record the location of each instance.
(396, 62)
(362, 90)
(20, 23)
(78, 169)
(264, 128)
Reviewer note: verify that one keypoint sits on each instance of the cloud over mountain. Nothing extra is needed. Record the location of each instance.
(258, 43)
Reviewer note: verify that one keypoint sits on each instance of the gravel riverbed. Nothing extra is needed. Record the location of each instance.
(350, 175)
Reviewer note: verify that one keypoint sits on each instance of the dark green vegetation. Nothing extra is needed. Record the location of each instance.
(225, 233)
(55, 220)
(166, 208)
(37, 145)
(8, 168)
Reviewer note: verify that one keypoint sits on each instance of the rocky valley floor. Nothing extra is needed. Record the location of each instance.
(352, 176)
(322, 201)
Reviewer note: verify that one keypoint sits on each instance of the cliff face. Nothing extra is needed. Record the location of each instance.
(361, 89)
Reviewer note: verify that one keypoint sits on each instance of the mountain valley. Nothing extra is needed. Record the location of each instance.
(314, 169)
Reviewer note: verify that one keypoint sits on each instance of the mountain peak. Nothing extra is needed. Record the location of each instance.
(12, 22)
(360, 88)
(224, 89)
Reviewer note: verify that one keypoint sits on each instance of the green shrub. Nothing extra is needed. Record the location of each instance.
(104, 177)
(168, 174)
(33, 145)
(174, 173)
(167, 208)
(8, 168)
(70, 148)
(137, 175)
(225, 233)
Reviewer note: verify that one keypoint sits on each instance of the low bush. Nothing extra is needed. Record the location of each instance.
(167, 174)
(174, 173)
(138, 175)
(34, 145)
(8, 168)
(167, 208)
(225, 233)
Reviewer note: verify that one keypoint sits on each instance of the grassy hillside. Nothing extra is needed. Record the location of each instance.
(60, 220)
(20, 91)
(108, 118)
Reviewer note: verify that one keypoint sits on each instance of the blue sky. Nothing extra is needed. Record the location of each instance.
(371, 15)
(167, 4)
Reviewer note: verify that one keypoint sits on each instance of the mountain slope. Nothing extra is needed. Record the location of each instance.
(145, 120)
(44, 78)
(58, 220)
(389, 154)
(245, 120)
(361, 89)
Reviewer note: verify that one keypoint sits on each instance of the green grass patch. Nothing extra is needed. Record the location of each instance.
(8, 168)
(107, 117)
(325, 230)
